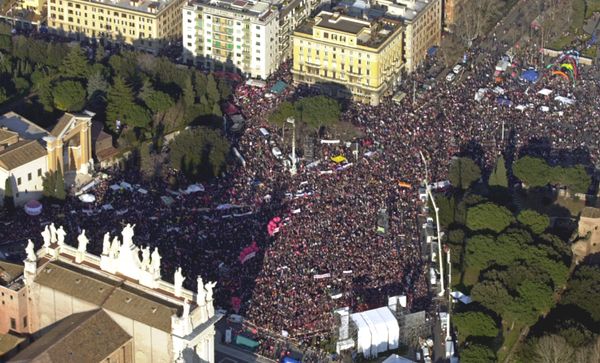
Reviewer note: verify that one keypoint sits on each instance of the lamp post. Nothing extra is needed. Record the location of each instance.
(292, 121)
(437, 223)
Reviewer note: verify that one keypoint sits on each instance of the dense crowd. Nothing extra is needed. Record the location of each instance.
(326, 252)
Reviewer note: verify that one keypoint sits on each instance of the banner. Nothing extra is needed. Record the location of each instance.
(322, 276)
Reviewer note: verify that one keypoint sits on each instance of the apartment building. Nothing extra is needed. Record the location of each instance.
(251, 37)
(349, 56)
(145, 24)
(232, 35)
(423, 21)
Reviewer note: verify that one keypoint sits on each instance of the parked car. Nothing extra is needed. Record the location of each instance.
(277, 152)
(450, 76)
(457, 68)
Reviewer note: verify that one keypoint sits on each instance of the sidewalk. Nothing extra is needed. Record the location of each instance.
(241, 355)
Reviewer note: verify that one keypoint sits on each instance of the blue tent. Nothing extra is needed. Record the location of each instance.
(530, 75)
(504, 101)
(278, 87)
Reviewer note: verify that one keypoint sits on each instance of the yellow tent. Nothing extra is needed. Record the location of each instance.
(567, 66)
(338, 159)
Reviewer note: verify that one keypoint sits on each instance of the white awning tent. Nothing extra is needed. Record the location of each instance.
(545, 91)
(564, 100)
(378, 331)
(395, 358)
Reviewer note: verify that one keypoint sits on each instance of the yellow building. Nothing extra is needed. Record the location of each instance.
(147, 25)
(347, 56)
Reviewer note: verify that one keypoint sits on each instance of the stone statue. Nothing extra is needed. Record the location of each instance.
(114, 248)
(52, 233)
(145, 258)
(30, 251)
(209, 290)
(106, 244)
(155, 264)
(127, 234)
(60, 236)
(178, 279)
(46, 236)
(82, 242)
(186, 309)
(201, 292)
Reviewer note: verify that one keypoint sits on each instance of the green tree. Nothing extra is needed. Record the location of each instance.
(318, 111)
(9, 199)
(119, 99)
(3, 95)
(216, 110)
(447, 206)
(584, 284)
(188, 95)
(488, 216)
(44, 92)
(278, 116)
(97, 86)
(480, 250)
(477, 353)
(69, 96)
(475, 324)
(212, 90)
(498, 177)
(493, 295)
(100, 54)
(49, 184)
(463, 172)
(538, 223)
(60, 192)
(224, 88)
(75, 64)
(125, 66)
(21, 85)
(575, 178)
(535, 295)
(199, 84)
(532, 171)
(156, 101)
(200, 153)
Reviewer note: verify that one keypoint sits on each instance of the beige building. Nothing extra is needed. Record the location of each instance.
(348, 56)
(588, 234)
(146, 24)
(423, 21)
(109, 308)
(28, 151)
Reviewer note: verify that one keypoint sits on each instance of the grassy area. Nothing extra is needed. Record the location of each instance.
(573, 205)
(510, 339)
(562, 42)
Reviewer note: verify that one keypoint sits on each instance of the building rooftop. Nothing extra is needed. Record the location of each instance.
(9, 272)
(259, 9)
(370, 32)
(144, 6)
(117, 295)
(90, 336)
(25, 128)
(21, 153)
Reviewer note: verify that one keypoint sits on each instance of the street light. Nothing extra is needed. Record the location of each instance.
(437, 223)
(292, 121)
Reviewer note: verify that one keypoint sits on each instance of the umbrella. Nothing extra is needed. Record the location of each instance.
(530, 75)
(87, 198)
(33, 208)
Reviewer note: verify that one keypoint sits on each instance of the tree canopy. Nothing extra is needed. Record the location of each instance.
(475, 324)
(535, 172)
(538, 223)
(200, 153)
(477, 353)
(488, 216)
(463, 172)
(498, 178)
(69, 96)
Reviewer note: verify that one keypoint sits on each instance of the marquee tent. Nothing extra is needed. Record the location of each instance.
(395, 358)
(33, 208)
(378, 331)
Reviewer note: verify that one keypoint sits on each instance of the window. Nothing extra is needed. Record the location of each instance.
(39, 172)
(29, 177)
(13, 324)
(258, 59)
(25, 322)
(18, 181)
(258, 43)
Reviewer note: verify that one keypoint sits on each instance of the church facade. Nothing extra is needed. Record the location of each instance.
(120, 297)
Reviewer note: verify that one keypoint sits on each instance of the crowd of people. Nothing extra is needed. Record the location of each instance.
(326, 252)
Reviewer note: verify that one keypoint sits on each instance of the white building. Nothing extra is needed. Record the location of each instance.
(27, 152)
(152, 320)
(251, 37)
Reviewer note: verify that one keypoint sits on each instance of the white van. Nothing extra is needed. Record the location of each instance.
(264, 132)
(432, 276)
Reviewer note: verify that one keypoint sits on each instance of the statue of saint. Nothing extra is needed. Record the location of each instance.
(60, 236)
(46, 236)
(114, 248)
(201, 291)
(145, 258)
(127, 234)
(178, 278)
(106, 244)
(52, 233)
(209, 290)
(30, 251)
(155, 264)
(82, 242)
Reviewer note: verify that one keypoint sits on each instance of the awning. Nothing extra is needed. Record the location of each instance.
(278, 87)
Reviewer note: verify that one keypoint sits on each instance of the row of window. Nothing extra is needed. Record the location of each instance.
(29, 177)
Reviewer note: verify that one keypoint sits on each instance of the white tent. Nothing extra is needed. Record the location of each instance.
(545, 91)
(378, 331)
(395, 358)
(564, 100)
